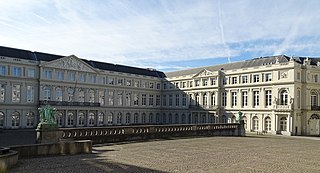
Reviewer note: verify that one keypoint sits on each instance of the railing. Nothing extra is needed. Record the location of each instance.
(315, 108)
(125, 133)
(282, 107)
(64, 103)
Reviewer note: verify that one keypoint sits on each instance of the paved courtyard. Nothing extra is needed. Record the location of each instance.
(206, 154)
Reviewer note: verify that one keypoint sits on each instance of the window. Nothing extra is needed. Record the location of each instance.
(268, 77)
(170, 118)
(143, 118)
(81, 95)
(213, 81)
(101, 119)
(30, 117)
(205, 99)
(283, 124)
(102, 80)
(31, 72)
(17, 71)
(135, 99)
(120, 82)
(16, 93)
(47, 93)
(15, 119)
(314, 99)
(93, 78)
(170, 100)
(184, 84)
(30, 94)
(197, 99)
(157, 100)
(158, 86)
(151, 100)
(151, 85)
(177, 99)
(176, 119)
(110, 80)
(2, 70)
(128, 118)
(177, 84)
(298, 99)
(72, 76)
(144, 99)
(267, 124)
(2, 93)
(150, 118)
(58, 94)
(91, 96)
(164, 118)
(136, 118)
(315, 78)
(244, 79)
(244, 98)
(298, 75)
(70, 94)
(59, 75)
(268, 97)
(256, 78)
(213, 99)
(234, 80)
(283, 97)
(191, 83)
(225, 81)
(197, 83)
(128, 99)
(255, 123)
(110, 97)
(143, 84)
(136, 83)
(120, 98)
(234, 99)
(224, 99)
(204, 82)
(59, 118)
(110, 118)
(256, 98)
(82, 77)
(184, 99)
(128, 82)
(47, 74)
(164, 101)
(157, 118)
(81, 119)
(91, 119)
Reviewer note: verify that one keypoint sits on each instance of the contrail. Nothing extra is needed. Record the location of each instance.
(222, 34)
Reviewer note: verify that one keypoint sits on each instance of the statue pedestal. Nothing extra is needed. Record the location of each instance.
(48, 133)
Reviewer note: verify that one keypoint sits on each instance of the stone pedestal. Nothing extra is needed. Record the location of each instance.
(48, 133)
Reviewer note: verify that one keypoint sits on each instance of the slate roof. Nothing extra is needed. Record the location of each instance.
(39, 56)
(239, 65)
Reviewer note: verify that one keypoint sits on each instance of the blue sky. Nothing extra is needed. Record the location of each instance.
(166, 35)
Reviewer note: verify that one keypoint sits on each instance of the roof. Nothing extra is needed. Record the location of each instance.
(40, 56)
(235, 65)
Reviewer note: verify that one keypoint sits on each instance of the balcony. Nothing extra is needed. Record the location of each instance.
(64, 103)
(202, 107)
(315, 108)
(282, 107)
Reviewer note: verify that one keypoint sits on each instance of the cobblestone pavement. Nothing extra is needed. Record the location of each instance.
(206, 154)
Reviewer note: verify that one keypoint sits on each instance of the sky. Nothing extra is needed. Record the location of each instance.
(166, 35)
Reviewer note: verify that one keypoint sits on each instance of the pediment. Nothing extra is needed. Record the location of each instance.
(70, 63)
(203, 73)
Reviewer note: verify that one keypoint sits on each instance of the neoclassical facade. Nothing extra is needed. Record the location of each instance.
(276, 94)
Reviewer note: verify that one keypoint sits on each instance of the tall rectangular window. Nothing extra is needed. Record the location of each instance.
(120, 98)
(47, 74)
(157, 100)
(177, 99)
(82, 77)
(31, 72)
(244, 79)
(16, 93)
(170, 100)
(135, 99)
(93, 78)
(101, 97)
(197, 82)
(256, 98)
(268, 97)
(314, 100)
(151, 100)
(110, 97)
(60, 75)
(136, 83)
(244, 98)
(234, 99)
(17, 71)
(120, 82)
(30, 94)
(268, 77)
(110, 80)
(224, 99)
(144, 99)
(234, 80)
(128, 82)
(2, 93)
(128, 99)
(256, 78)
(164, 100)
(2, 70)
(151, 85)
(204, 82)
(72, 76)
(184, 99)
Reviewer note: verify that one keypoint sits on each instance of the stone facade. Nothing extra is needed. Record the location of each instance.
(277, 94)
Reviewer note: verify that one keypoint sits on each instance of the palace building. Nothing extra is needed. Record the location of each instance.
(275, 94)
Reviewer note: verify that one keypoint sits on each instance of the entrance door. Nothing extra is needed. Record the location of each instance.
(314, 125)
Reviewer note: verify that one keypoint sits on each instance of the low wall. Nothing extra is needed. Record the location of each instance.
(59, 148)
(129, 133)
(8, 160)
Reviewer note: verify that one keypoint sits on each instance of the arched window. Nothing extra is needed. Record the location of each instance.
(91, 95)
(119, 118)
(15, 119)
(183, 119)
(213, 99)
(110, 118)
(255, 123)
(59, 118)
(91, 118)
(58, 94)
(70, 94)
(128, 118)
(204, 118)
(101, 119)
(176, 119)
(212, 117)
(195, 119)
(205, 99)
(197, 99)
(30, 117)
(267, 124)
(136, 118)
(81, 95)
(170, 118)
(224, 119)
(233, 119)
(150, 118)
(70, 119)
(157, 118)
(47, 93)
(1, 119)
(81, 118)
(314, 116)
(244, 118)
(164, 118)
(284, 97)
(283, 123)
(143, 118)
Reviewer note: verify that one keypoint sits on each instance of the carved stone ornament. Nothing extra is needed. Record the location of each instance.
(284, 74)
(70, 63)
(203, 73)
